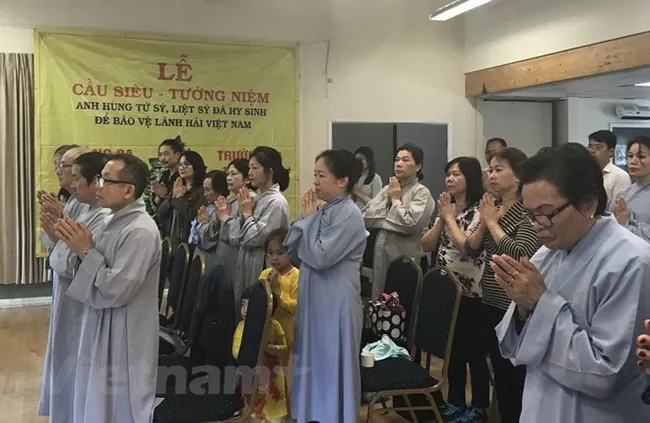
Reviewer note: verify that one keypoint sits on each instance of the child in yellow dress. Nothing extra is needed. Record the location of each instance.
(271, 403)
(283, 278)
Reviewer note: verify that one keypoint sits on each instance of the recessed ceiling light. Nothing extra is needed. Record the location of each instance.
(643, 84)
(456, 8)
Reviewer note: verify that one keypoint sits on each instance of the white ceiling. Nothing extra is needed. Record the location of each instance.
(618, 85)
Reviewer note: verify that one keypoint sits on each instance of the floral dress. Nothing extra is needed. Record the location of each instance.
(468, 269)
(271, 402)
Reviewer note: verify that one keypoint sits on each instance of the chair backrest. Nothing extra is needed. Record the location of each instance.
(254, 339)
(178, 276)
(258, 317)
(436, 314)
(369, 252)
(404, 276)
(211, 332)
(166, 253)
(189, 297)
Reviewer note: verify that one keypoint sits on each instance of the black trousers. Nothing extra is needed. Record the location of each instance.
(468, 347)
(508, 379)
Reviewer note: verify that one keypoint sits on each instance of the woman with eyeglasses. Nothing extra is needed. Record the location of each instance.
(632, 206)
(504, 229)
(579, 303)
(181, 205)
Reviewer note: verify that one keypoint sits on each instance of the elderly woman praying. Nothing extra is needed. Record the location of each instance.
(579, 303)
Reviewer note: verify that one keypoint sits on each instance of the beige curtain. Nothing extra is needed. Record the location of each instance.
(18, 263)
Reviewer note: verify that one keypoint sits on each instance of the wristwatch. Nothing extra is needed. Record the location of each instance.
(83, 254)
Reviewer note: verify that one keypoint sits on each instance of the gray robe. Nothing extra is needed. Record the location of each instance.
(73, 209)
(329, 245)
(118, 349)
(637, 198)
(219, 230)
(205, 244)
(271, 212)
(57, 387)
(399, 228)
(578, 345)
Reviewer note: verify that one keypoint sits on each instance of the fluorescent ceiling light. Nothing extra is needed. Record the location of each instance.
(456, 8)
(643, 84)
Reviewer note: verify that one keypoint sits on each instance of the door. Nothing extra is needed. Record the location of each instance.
(378, 136)
(385, 138)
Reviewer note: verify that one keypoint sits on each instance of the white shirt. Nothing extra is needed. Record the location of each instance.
(616, 180)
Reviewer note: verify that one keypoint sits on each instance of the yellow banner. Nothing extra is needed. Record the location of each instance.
(121, 93)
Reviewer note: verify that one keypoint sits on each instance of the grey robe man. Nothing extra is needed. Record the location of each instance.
(118, 283)
(50, 203)
(64, 328)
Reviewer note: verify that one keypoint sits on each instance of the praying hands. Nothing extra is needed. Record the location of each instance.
(308, 203)
(621, 212)
(246, 203)
(49, 203)
(222, 208)
(394, 192)
(521, 280)
(75, 235)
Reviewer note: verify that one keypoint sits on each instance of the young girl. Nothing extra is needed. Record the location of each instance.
(271, 403)
(283, 278)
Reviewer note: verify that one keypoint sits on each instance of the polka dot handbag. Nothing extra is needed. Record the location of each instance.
(388, 317)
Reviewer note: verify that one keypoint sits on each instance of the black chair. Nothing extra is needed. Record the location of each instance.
(369, 252)
(166, 253)
(195, 407)
(210, 335)
(410, 381)
(403, 276)
(213, 342)
(179, 340)
(368, 262)
(178, 275)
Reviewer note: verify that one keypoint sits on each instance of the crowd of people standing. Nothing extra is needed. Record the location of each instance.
(551, 251)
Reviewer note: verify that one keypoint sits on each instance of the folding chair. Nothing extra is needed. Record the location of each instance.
(435, 321)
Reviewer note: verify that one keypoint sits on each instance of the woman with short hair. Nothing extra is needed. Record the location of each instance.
(579, 303)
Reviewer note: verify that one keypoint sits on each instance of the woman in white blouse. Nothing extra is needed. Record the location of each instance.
(458, 217)
(369, 183)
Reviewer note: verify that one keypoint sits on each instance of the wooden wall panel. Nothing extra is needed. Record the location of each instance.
(624, 53)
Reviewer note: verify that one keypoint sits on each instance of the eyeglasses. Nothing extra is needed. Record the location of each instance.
(546, 220)
(101, 181)
(597, 147)
(62, 165)
(183, 164)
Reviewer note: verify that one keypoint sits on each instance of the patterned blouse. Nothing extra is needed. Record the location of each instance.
(468, 269)
(520, 241)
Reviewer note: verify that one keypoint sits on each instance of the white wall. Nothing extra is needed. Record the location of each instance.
(527, 126)
(386, 62)
(506, 31)
(16, 40)
(586, 115)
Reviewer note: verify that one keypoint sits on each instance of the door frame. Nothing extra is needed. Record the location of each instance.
(330, 124)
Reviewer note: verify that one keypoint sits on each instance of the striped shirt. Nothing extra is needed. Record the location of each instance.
(520, 241)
